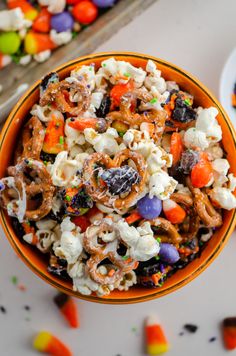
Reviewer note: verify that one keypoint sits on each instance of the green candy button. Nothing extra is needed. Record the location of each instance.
(9, 42)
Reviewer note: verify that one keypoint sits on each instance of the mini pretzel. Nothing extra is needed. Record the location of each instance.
(157, 117)
(60, 92)
(101, 194)
(191, 224)
(173, 236)
(31, 142)
(207, 213)
(42, 184)
(100, 252)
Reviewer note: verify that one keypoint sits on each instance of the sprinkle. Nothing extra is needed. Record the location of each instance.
(27, 307)
(153, 101)
(191, 328)
(158, 239)
(157, 258)
(121, 134)
(125, 258)
(187, 102)
(134, 329)
(45, 163)
(22, 287)
(3, 309)
(212, 339)
(61, 140)
(68, 198)
(127, 75)
(104, 64)
(14, 280)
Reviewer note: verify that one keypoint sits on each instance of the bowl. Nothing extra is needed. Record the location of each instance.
(203, 98)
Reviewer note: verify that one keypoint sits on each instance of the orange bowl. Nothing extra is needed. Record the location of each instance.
(203, 98)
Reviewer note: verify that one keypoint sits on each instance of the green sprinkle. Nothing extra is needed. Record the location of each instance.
(160, 284)
(14, 280)
(61, 140)
(153, 101)
(125, 258)
(45, 163)
(121, 134)
(187, 101)
(68, 198)
(58, 124)
(134, 329)
(157, 258)
(28, 223)
(158, 239)
(104, 64)
(127, 75)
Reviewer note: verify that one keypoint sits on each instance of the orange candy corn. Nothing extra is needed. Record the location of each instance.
(4, 60)
(156, 341)
(173, 211)
(68, 308)
(229, 333)
(42, 21)
(47, 343)
(30, 13)
(35, 42)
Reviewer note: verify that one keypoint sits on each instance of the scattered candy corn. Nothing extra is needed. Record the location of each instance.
(229, 333)
(42, 21)
(4, 60)
(68, 308)
(155, 338)
(38, 42)
(29, 11)
(47, 343)
(173, 211)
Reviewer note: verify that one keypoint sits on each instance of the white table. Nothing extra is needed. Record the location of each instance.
(197, 35)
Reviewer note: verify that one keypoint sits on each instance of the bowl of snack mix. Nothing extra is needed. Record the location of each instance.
(117, 178)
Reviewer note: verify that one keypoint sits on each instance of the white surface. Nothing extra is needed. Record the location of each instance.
(197, 35)
(227, 81)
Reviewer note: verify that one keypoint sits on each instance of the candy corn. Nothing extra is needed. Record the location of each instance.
(30, 13)
(47, 343)
(68, 308)
(38, 42)
(155, 339)
(173, 211)
(42, 22)
(229, 333)
(4, 60)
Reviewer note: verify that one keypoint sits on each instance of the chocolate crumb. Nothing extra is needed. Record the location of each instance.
(27, 307)
(191, 328)
(212, 339)
(3, 309)
(181, 333)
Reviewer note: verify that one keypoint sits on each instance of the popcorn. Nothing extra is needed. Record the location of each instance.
(54, 6)
(42, 56)
(161, 185)
(70, 246)
(104, 142)
(194, 138)
(207, 123)
(86, 71)
(141, 242)
(223, 197)
(13, 20)
(63, 169)
(60, 38)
